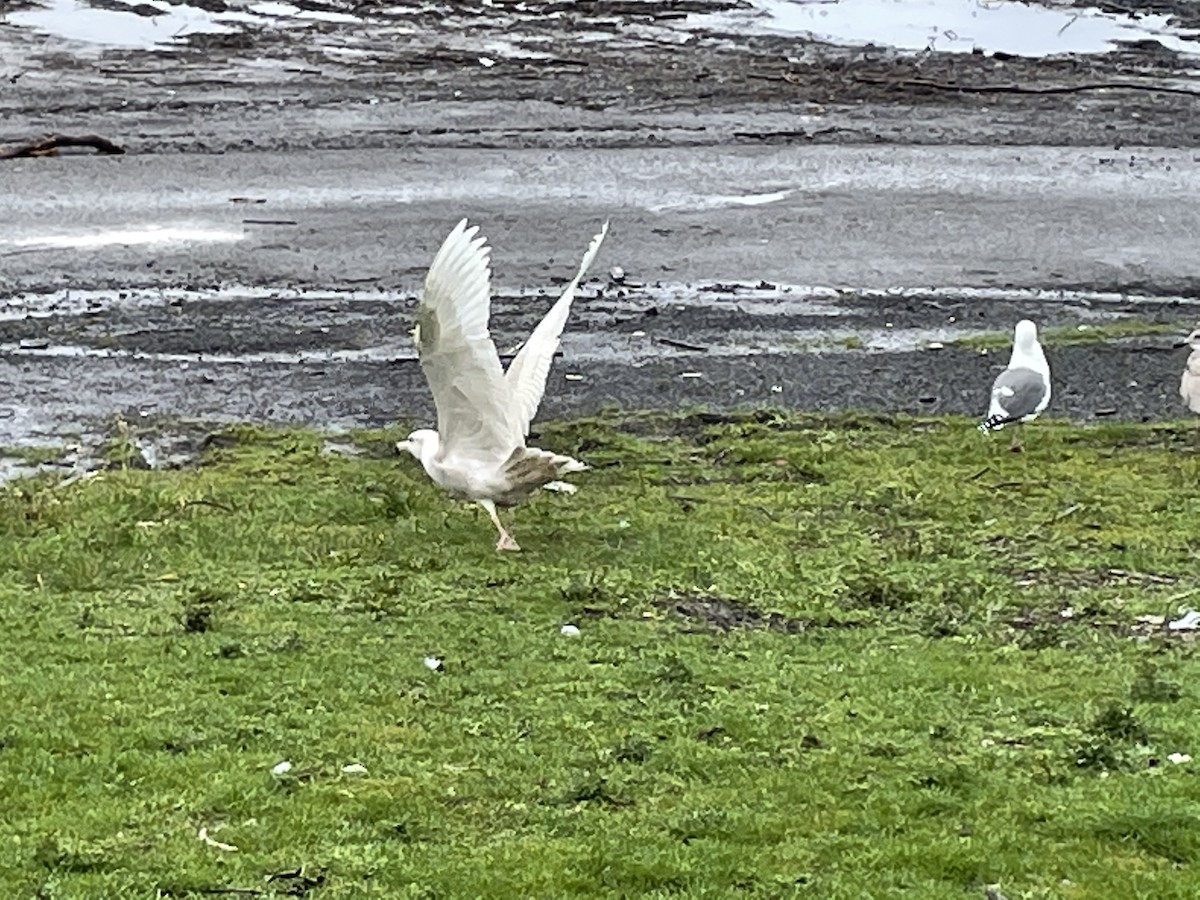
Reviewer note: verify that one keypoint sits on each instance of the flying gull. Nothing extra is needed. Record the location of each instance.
(478, 451)
(1022, 390)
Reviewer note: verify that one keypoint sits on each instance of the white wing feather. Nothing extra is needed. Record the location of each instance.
(474, 411)
(527, 373)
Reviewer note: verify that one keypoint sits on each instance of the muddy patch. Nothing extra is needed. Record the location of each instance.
(345, 360)
(708, 612)
(352, 75)
(120, 441)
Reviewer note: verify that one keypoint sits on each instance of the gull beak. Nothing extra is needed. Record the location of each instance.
(1180, 344)
(403, 447)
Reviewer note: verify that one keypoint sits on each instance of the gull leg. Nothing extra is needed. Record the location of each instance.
(506, 541)
(1018, 430)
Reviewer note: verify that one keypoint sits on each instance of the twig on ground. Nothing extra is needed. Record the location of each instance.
(49, 145)
(1144, 576)
(213, 503)
(1182, 595)
(212, 842)
(183, 891)
(1065, 513)
(682, 345)
(76, 479)
(786, 134)
(1023, 89)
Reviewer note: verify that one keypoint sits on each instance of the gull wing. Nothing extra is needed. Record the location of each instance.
(474, 410)
(527, 373)
(1018, 393)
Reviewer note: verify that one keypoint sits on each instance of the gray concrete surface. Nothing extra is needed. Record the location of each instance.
(855, 216)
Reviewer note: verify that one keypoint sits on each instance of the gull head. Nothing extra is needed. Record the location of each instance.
(1025, 336)
(422, 443)
(1192, 340)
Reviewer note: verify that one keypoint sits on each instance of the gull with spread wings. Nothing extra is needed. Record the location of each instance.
(478, 451)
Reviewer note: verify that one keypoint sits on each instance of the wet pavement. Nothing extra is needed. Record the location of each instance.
(791, 233)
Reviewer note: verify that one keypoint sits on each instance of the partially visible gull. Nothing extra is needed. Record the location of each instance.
(478, 452)
(1189, 384)
(1022, 390)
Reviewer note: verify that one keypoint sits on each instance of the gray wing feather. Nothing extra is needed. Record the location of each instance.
(1018, 392)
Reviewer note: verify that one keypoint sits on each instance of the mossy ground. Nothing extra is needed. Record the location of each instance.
(848, 657)
(1085, 334)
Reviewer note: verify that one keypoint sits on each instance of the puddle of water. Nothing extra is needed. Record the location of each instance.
(721, 201)
(287, 11)
(129, 237)
(74, 20)
(1023, 29)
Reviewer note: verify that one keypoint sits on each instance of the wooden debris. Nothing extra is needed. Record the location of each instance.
(682, 345)
(50, 144)
(931, 84)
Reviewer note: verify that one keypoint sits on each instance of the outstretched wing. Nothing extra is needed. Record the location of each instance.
(526, 376)
(475, 416)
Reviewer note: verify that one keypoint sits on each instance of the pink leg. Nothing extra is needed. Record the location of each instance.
(506, 541)
(1017, 429)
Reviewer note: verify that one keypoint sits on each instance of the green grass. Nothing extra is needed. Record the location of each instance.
(1074, 335)
(826, 343)
(834, 658)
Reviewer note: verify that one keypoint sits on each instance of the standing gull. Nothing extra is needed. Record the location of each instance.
(1021, 391)
(1189, 384)
(478, 452)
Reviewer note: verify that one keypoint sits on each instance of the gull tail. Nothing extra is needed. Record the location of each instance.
(566, 464)
(995, 422)
(530, 468)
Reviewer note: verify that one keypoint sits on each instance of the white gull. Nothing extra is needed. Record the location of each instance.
(1022, 391)
(478, 451)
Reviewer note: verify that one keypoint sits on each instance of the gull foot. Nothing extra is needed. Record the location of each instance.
(506, 542)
